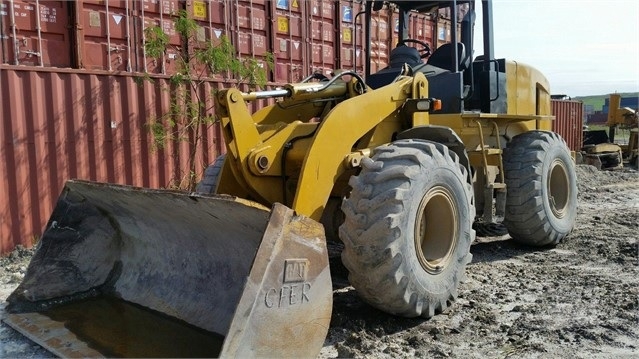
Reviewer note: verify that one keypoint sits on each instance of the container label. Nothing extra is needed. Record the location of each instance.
(347, 14)
(94, 19)
(295, 4)
(346, 35)
(282, 24)
(199, 9)
(282, 4)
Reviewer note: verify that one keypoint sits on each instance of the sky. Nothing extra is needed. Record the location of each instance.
(583, 47)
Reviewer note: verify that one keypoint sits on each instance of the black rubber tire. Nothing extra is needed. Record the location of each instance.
(388, 269)
(541, 204)
(208, 184)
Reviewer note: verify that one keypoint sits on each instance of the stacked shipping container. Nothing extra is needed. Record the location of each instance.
(304, 36)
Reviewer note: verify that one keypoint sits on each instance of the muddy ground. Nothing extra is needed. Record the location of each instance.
(579, 299)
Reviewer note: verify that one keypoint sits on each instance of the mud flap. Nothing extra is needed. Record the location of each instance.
(259, 279)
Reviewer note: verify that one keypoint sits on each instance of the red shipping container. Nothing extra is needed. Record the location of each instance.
(104, 35)
(322, 36)
(212, 17)
(288, 41)
(569, 121)
(35, 33)
(421, 28)
(63, 124)
(380, 39)
(350, 36)
(250, 32)
(157, 13)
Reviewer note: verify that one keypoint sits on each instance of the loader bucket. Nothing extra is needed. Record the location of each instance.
(129, 272)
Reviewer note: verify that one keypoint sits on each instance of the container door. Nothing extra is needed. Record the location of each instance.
(380, 39)
(157, 13)
(289, 46)
(104, 35)
(250, 33)
(35, 33)
(350, 30)
(212, 19)
(322, 39)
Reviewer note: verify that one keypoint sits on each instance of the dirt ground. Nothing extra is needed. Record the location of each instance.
(579, 299)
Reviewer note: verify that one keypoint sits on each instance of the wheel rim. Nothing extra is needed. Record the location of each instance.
(558, 189)
(436, 230)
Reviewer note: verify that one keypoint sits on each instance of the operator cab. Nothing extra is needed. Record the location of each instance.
(452, 75)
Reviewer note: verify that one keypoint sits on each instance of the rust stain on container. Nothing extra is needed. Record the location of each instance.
(569, 116)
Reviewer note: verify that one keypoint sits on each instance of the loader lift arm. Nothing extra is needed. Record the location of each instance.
(257, 161)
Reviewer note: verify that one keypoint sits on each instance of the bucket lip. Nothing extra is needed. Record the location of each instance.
(84, 183)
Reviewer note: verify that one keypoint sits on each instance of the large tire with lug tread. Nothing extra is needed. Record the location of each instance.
(208, 184)
(408, 228)
(541, 204)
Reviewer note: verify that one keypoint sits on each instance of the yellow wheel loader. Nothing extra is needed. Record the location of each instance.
(401, 166)
(600, 149)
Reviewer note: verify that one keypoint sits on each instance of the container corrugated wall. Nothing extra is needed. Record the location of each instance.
(63, 124)
(569, 122)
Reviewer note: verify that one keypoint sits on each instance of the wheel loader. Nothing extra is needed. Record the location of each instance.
(402, 166)
(599, 147)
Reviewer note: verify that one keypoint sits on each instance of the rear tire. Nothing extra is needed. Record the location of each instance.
(541, 205)
(408, 228)
(208, 184)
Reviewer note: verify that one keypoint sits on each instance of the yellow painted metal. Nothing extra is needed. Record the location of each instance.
(335, 139)
(311, 138)
(618, 115)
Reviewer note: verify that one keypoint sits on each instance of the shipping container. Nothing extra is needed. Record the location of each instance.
(59, 124)
(303, 36)
(321, 48)
(287, 43)
(104, 35)
(380, 45)
(421, 27)
(160, 13)
(351, 39)
(569, 121)
(36, 33)
(212, 18)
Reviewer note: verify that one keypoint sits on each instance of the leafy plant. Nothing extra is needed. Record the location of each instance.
(191, 111)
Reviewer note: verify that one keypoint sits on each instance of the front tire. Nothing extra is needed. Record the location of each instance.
(408, 228)
(541, 205)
